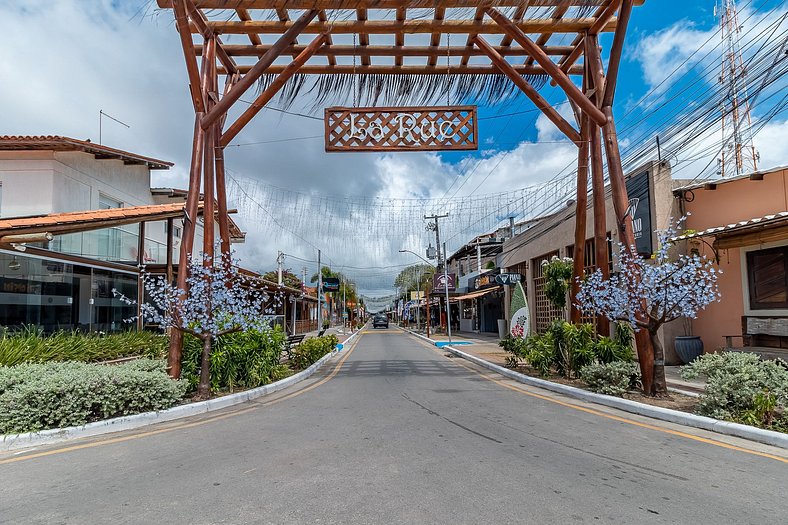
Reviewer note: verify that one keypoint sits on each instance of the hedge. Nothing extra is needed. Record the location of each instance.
(56, 395)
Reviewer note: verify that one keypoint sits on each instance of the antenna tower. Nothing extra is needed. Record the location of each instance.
(738, 153)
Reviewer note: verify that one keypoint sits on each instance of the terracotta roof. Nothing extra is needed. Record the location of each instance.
(757, 222)
(76, 221)
(58, 143)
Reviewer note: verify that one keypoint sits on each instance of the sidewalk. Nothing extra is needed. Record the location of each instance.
(485, 346)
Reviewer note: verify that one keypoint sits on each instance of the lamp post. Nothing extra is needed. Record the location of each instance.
(418, 288)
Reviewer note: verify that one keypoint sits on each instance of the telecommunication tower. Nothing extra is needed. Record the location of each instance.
(738, 151)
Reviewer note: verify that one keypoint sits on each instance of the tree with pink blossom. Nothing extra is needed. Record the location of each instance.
(648, 293)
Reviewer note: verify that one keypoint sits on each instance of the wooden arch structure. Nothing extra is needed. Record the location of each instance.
(285, 41)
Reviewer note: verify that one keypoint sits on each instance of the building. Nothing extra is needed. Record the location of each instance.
(742, 222)
(76, 211)
(650, 185)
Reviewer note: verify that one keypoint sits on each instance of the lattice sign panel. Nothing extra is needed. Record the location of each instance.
(401, 129)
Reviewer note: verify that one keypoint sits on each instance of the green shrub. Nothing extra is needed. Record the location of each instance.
(573, 346)
(611, 378)
(55, 395)
(743, 388)
(616, 348)
(311, 350)
(540, 352)
(32, 346)
(238, 360)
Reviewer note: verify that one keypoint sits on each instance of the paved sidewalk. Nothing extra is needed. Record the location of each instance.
(485, 346)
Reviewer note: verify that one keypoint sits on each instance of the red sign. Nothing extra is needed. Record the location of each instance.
(439, 280)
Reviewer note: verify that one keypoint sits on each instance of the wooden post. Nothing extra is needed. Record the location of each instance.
(140, 280)
(619, 188)
(600, 217)
(581, 207)
(170, 237)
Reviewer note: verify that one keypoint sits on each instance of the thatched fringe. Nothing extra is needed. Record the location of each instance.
(398, 90)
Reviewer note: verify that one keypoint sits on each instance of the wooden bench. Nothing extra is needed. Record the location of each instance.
(292, 342)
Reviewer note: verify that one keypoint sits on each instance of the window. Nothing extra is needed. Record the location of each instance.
(766, 275)
(108, 203)
(176, 230)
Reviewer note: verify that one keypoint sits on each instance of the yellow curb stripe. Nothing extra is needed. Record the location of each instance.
(181, 426)
(610, 416)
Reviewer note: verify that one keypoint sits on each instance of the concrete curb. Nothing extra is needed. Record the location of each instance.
(59, 435)
(777, 439)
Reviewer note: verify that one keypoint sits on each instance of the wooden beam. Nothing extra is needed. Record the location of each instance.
(332, 59)
(558, 13)
(398, 50)
(518, 15)
(271, 90)
(581, 211)
(377, 27)
(509, 70)
(256, 71)
(373, 4)
(201, 21)
(595, 67)
(600, 215)
(571, 90)
(406, 70)
(435, 38)
(466, 56)
(182, 23)
(363, 38)
(399, 37)
(243, 14)
(616, 49)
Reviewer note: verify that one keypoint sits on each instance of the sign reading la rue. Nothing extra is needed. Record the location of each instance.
(433, 128)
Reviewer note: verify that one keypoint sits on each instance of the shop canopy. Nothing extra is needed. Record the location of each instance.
(758, 230)
(474, 295)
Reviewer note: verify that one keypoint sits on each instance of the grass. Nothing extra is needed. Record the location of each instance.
(32, 346)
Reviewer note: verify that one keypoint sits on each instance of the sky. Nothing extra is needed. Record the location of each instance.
(65, 60)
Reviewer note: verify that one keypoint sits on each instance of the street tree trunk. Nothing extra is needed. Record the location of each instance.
(658, 385)
(204, 388)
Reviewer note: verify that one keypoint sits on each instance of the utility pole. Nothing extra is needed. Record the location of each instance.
(319, 294)
(446, 287)
(478, 256)
(280, 260)
(435, 226)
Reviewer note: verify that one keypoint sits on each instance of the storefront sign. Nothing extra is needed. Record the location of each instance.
(484, 281)
(401, 129)
(640, 211)
(508, 279)
(330, 284)
(415, 296)
(439, 281)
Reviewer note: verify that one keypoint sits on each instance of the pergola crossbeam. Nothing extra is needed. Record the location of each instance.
(408, 26)
(454, 69)
(398, 50)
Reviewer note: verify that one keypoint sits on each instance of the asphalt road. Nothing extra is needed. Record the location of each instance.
(399, 433)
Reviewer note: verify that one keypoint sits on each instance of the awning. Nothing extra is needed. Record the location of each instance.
(744, 233)
(474, 295)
